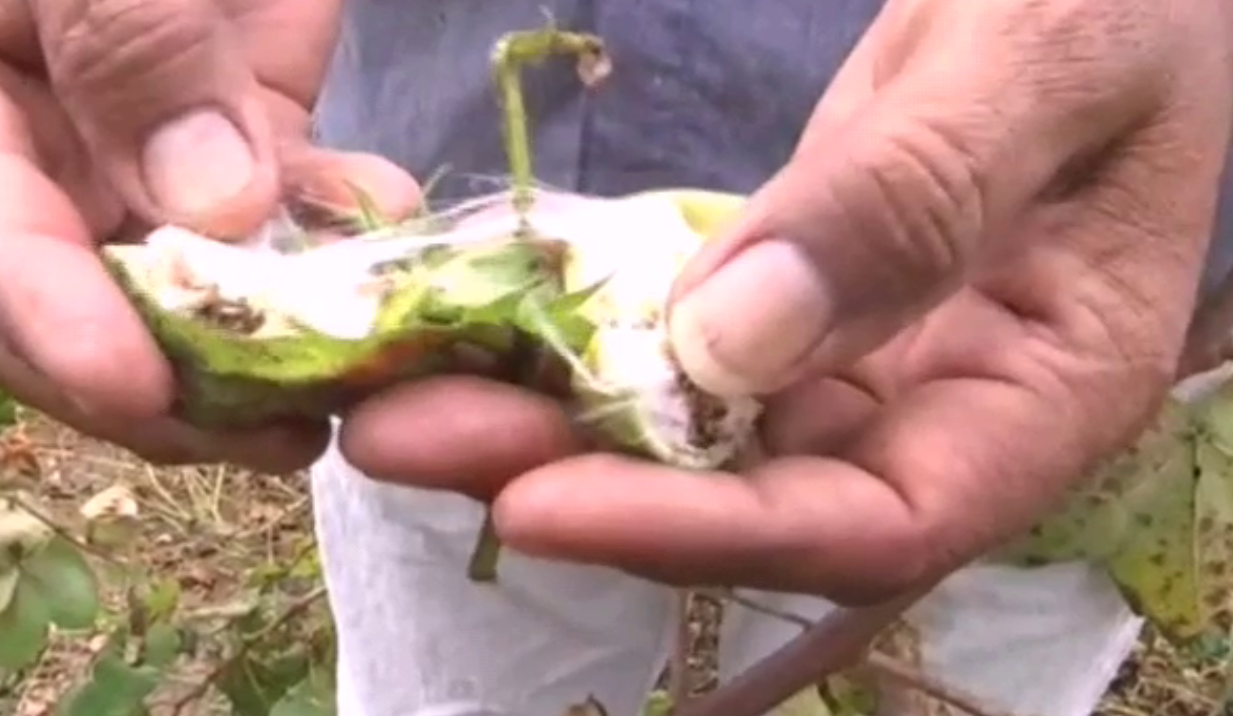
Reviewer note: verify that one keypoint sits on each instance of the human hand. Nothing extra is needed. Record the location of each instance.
(118, 115)
(971, 282)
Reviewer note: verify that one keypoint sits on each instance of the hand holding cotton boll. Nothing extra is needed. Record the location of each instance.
(969, 284)
(116, 117)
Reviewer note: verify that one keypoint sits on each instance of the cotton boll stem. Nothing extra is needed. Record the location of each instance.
(511, 52)
(482, 567)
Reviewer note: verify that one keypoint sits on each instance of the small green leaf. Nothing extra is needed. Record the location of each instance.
(8, 410)
(23, 628)
(163, 644)
(65, 582)
(312, 697)
(116, 689)
(370, 218)
(253, 687)
(8, 585)
(658, 703)
(162, 599)
(307, 567)
(806, 702)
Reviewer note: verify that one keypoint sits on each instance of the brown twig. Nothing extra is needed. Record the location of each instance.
(876, 664)
(835, 642)
(729, 595)
(881, 666)
(680, 675)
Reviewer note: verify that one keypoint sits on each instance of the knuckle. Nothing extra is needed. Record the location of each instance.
(128, 53)
(927, 199)
(912, 191)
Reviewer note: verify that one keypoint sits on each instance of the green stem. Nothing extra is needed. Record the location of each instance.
(483, 564)
(509, 55)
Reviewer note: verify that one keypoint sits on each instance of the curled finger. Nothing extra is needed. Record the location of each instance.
(464, 434)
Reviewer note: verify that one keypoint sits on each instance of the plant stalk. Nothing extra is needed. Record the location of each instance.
(482, 566)
(510, 54)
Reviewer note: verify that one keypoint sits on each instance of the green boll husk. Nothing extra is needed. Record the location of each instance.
(242, 359)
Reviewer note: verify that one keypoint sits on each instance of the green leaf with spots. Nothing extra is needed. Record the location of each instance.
(1108, 510)
(1158, 517)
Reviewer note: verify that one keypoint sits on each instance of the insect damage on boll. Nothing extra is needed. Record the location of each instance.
(641, 393)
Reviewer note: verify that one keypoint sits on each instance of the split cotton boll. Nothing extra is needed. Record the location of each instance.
(283, 327)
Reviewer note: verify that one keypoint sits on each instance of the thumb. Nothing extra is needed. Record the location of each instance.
(164, 98)
(875, 219)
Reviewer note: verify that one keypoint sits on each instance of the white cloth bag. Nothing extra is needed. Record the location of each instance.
(418, 639)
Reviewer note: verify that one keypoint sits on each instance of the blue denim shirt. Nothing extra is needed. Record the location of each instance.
(708, 93)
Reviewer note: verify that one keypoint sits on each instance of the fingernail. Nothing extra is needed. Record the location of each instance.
(751, 326)
(196, 162)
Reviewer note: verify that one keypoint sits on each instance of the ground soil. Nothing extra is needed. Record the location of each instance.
(211, 527)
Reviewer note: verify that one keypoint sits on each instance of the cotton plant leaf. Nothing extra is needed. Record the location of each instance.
(65, 583)
(1158, 517)
(115, 689)
(1098, 518)
(24, 627)
(1214, 540)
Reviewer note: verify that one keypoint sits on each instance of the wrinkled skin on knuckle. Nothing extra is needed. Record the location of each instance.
(1128, 358)
(120, 54)
(919, 193)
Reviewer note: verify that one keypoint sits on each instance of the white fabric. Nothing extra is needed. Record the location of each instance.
(418, 639)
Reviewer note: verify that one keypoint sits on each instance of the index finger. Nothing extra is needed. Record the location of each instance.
(59, 309)
(927, 488)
